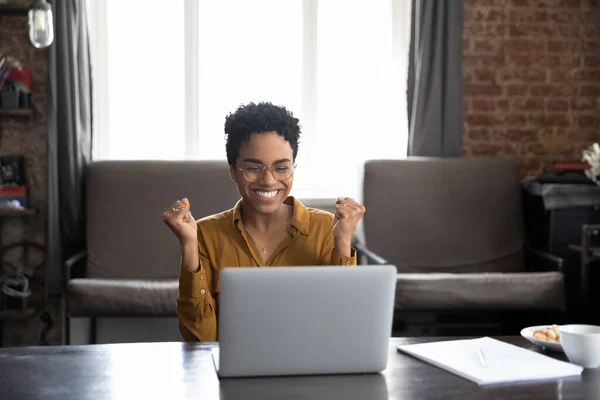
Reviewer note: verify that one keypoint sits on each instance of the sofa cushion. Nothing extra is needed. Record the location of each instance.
(445, 215)
(490, 291)
(126, 237)
(127, 297)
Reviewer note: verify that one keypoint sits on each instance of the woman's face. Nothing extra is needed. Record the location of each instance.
(264, 189)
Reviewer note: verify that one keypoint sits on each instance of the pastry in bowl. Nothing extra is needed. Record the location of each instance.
(550, 334)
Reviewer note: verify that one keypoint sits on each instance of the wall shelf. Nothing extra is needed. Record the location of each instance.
(13, 9)
(16, 112)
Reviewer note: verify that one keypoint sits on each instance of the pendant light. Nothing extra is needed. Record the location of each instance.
(41, 25)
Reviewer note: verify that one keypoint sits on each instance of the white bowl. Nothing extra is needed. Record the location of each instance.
(528, 332)
(581, 344)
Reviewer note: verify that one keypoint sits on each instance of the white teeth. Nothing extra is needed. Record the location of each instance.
(266, 195)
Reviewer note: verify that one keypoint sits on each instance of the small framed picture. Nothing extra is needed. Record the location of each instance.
(12, 171)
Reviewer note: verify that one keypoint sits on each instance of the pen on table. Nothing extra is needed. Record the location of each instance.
(481, 357)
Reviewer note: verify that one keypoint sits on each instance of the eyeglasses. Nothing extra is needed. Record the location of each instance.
(281, 172)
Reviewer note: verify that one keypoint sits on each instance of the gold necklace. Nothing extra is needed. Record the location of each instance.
(263, 248)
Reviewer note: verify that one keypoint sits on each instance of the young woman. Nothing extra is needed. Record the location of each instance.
(266, 228)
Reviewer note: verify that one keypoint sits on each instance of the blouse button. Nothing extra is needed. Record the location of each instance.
(348, 263)
(202, 291)
(201, 277)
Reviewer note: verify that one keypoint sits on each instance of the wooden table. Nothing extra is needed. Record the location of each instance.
(185, 371)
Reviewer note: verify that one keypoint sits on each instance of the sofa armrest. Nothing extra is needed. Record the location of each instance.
(537, 261)
(364, 252)
(73, 261)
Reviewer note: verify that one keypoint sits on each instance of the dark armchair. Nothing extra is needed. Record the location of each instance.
(130, 268)
(453, 227)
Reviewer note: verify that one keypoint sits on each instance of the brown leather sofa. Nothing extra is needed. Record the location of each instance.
(454, 229)
(131, 265)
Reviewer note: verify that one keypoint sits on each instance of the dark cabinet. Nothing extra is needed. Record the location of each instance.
(554, 215)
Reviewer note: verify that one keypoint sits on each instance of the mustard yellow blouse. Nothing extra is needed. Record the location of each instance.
(223, 242)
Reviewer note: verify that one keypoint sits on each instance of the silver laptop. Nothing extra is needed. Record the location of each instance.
(304, 320)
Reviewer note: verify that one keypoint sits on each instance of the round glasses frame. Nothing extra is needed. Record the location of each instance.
(255, 173)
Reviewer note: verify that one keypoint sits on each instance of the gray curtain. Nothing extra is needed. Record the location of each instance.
(69, 118)
(435, 95)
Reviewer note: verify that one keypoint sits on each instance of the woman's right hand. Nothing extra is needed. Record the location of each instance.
(179, 219)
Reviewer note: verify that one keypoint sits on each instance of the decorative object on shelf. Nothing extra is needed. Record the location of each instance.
(12, 171)
(591, 155)
(7, 63)
(15, 84)
(40, 20)
(41, 26)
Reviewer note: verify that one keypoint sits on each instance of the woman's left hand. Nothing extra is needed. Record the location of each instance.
(347, 214)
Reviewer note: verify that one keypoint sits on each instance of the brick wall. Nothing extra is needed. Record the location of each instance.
(531, 79)
(26, 136)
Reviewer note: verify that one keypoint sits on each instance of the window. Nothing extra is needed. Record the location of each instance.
(165, 78)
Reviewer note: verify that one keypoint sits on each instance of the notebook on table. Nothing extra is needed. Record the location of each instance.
(490, 361)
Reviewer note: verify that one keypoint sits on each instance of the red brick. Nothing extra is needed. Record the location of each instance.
(591, 61)
(561, 16)
(551, 120)
(521, 45)
(485, 74)
(483, 105)
(569, 31)
(561, 75)
(489, 15)
(549, 90)
(568, 61)
(489, 149)
(569, 3)
(584, 104)
(530, 167)
(482, 120)
(591, 46)
(515, 120)
(516, 135)
(517, 90)
(533, 148)
(592, 90)
(480, 3)
(557, 105)
(540, 60)
(502, 104)
(482, 29)
(559, 46)
(587, 74)
(479, 134)
(588, 121)
(520, 60)
(482, 89)
(517, 30)
(466, 45)
(522, 74)
(528, 105)
(486, 46)
(467, 75)
(520, 15)
(494, 61)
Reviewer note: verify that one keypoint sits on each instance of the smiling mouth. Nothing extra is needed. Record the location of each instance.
(266, 194)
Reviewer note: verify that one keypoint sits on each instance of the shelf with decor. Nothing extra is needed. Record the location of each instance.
(8, 8)
(16, 112)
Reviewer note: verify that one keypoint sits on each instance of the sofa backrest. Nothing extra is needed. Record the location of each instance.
(445, 214)
(126, 237)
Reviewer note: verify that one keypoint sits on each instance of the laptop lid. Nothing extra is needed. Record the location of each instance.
(305, 320)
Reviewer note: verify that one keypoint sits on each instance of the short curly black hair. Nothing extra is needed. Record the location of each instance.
(259, 118)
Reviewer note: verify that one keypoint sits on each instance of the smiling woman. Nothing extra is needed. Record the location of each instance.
(267, 227)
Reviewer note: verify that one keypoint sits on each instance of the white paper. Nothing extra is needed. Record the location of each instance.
(504, 362)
